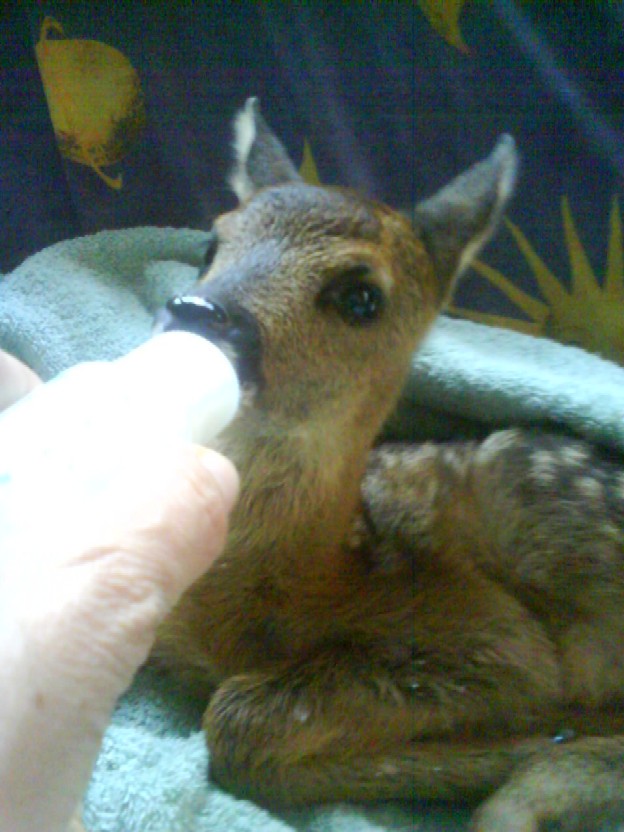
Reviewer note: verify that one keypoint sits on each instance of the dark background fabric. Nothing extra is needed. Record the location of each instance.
(385, 103)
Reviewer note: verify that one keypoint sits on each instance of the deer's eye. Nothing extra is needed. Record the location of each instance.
(357, 300)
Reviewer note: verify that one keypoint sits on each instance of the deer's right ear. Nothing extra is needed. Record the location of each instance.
(260, 158)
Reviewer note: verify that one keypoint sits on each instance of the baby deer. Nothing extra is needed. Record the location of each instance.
(425, 621)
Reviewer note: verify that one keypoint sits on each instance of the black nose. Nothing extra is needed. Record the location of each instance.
(232, 325)
(195, 311)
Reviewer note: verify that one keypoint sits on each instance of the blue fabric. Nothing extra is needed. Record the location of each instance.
(384, 100)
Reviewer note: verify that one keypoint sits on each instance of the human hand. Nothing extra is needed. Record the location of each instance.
(16, 380)
(83, 591)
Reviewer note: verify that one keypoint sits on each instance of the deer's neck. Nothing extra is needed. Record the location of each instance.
(298, 495)
(266, 598)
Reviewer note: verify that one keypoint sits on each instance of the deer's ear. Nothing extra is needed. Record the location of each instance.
(456, 222)
(260, 158)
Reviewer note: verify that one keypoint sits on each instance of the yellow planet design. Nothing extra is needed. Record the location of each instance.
(94, 96)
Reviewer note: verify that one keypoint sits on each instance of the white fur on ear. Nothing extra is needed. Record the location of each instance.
(504, 159)
(458, 221)
(260, 159)
(245, 132)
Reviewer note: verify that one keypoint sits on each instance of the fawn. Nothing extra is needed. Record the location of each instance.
(438, 621)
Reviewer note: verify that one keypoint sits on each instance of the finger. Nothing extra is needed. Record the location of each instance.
(166, 525)
(123, 562)
(213, 491)
(16, 380)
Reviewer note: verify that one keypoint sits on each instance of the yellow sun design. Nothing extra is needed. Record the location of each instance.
(308, 169)
(589, 314)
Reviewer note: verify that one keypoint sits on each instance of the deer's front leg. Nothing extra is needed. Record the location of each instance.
(340, 728)
(294, 737)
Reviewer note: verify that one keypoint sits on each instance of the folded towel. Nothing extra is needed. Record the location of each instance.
(94, 298)
(471, 378)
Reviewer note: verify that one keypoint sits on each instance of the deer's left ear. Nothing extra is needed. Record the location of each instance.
(260, 158)
(455, 223)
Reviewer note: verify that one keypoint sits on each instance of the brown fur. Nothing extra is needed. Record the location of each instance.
(412, 621)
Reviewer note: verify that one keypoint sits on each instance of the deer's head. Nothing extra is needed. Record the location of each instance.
(321, 295)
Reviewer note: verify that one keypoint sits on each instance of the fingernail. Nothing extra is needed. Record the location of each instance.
(224, 473)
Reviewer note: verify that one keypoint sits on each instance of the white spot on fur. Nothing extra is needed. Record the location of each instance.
(358, 533)
(589, 488)
(456, 459)
(572, 455)
(301, 713)
(502, 440)
(544, 468)
(388, 769)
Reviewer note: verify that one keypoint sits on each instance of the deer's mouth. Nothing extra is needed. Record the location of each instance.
(231, 328)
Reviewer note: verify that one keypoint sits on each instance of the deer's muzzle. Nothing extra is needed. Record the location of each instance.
(230, 327)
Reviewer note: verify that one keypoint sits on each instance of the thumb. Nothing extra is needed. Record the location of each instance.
(213, 488)
(165, 525)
